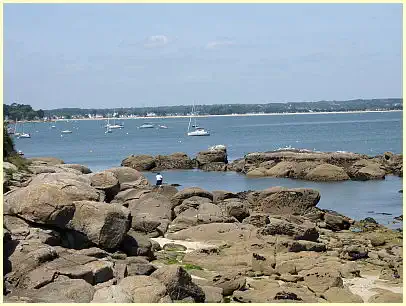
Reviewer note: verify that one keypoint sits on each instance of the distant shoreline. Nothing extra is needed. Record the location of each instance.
(227, 115)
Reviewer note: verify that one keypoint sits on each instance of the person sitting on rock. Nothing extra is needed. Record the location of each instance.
(159, 179)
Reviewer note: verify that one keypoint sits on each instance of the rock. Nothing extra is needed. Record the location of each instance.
(289, 278)
(236, 208)
(140, 269)
(354, 252)
(192, 202)
(80, 168)
(174, 247)
(112, 294)
(377, 240)
(21, 230)
(320, 279)
(283, 227)
(257, 172)
(152, 212)
(212, 294)
(47, 160)
(179, 283)
(304, 245)
(215, 166)
(236, 165)
(173, 161)
(104, 224)
(9, 167)
(257, 219)
(43, 204)
(386, 297)
(221, 195)
(186, 193)
(262, 264)
(282, 201)
(165, 190)
(128, 175)
(136, 244)
(336, 222)
(68, 291)
(327, 172)
(107, 182)
(229, 282)
(211, 156)
(143, 289)
(341, 295)
(350, 270)
(140, 162)
(366, 170)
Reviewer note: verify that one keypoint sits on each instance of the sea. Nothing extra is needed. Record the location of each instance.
(370, 133)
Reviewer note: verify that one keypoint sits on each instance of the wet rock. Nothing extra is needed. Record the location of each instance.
(336, 222)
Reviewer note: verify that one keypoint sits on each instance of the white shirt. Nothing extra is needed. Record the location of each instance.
(159, 177)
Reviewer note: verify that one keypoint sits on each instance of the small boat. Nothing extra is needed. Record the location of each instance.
(147, 126)
(24, 135)
(199, 132)
(66, 132)
(108, 130)
(19, 152)
(115, 126)
(162, 126)
(53, 126)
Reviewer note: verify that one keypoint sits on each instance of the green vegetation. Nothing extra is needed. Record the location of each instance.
(8, 144)
(22, 112)
(224, 109)
(191, 267)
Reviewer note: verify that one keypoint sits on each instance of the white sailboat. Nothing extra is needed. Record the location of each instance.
(22, 134)
(146, 125)
(114, 125)
(199, 131)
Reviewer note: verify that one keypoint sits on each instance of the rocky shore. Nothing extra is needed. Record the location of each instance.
(71, 235)
(295, 164)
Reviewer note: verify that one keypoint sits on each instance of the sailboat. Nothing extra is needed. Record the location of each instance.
(114, 125)
(22, 134)
(198, 130)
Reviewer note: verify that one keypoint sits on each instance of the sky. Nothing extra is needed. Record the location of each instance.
(135, 55)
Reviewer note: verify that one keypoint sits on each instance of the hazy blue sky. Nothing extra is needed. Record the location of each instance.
(123, 55)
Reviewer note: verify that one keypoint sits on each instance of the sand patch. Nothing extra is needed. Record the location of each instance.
(190, 245)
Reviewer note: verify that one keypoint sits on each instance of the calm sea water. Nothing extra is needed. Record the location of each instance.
(368, 133)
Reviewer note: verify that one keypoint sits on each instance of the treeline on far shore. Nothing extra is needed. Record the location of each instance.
(25, 112)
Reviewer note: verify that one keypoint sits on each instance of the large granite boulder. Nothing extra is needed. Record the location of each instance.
(177, 160)
(327, 172)
(151, 212)
(140, 162)
(215, 159)
(41, 203)
(107, 182)
(129, 178)
(143, 289)
(103, 224)
(186, 193)
(280, 200)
